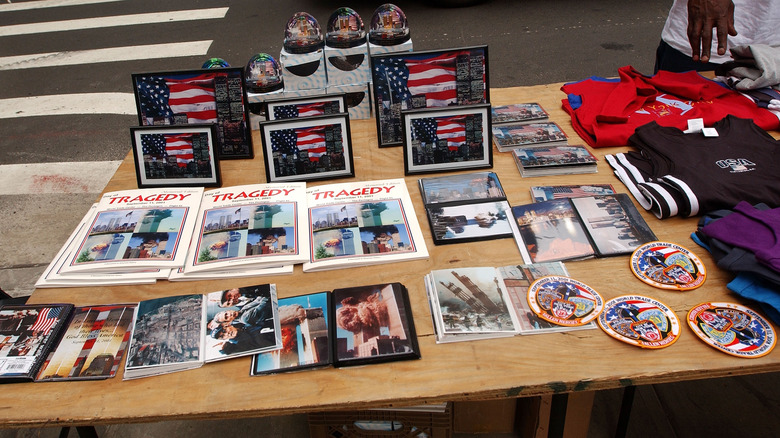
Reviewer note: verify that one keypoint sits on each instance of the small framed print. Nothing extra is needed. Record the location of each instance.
(307, 149)
(372, 324)
(183, 156)
(444, 139)
(431, 79)
(216, 95)
(305, 107)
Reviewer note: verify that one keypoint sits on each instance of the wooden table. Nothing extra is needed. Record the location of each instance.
(521, 366)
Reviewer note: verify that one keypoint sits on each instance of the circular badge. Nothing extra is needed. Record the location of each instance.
(667, 266)
(640, 321)
(564, 301)
(732, 329)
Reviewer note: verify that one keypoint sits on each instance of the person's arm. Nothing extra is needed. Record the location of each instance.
(705, 15)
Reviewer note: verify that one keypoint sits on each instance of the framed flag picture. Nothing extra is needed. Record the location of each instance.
(443, 139)
(180, 155)
(205, 96)
(308, 148)
(413, 80)
(305, 107)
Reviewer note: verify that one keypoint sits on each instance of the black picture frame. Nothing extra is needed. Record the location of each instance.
(307, 148)
(462, 79)
(392, 338)
(180, 155)
(305, 106)
(447, 139)
(216, 95)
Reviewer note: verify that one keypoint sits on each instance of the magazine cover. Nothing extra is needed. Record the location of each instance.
(372, 324)
(518, 113)
(305, 336)
(132, 229)
(514, 135)
(167, 336)
(27, 334)
(93, 344)
(362, 223)
(469, 304)
(241, 321)
(254, 226)
(517, 279)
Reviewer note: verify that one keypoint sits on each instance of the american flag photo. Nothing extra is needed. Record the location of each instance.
(178, 155)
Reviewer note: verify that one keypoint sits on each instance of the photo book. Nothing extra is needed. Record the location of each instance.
(28, 333)
(548, 193)
(93, 344)
(515, 135)
(554, 160)
(518, 113)
(576, 228)
(466, 207)
(362, 223)
(182, 332)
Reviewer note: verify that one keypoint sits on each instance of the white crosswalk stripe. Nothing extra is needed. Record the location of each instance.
(26, 6)
(65, 104)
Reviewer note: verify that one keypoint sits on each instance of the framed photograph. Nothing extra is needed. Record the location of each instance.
(305, 106)
(182, 155)
(442, 139)
(307, 149)
(186, 97)
(373, 324)
(470, 222)
(413, 80)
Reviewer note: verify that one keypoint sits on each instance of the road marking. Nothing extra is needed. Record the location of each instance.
(112, 54)
(114, 21)
(61, 104)
(49, 4)
(52, 178)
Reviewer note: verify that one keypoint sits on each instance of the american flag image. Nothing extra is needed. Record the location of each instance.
(161, 146)
(291, 141)
(165, 97)
(300, 110)
(432, 76)
(433, 129)
(47, 317)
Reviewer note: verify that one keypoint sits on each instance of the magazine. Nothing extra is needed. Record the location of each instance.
(548, 193)
(306, 336)
(28, 333)
(362, 223)
(517, 279)
(250, 226)
(518, 113)
(469, 304)
(183, 332)
(554, 160)
(132, 229)
(575, 228)
(515, 135)
(92, 346)
(466, 207)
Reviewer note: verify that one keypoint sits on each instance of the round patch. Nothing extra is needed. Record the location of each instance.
(564, 301)
(732, 329)
(640, 321)
(667, 266)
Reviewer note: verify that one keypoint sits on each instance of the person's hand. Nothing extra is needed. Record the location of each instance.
(705, 15)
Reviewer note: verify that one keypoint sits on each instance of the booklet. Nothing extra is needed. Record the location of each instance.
(575, 228)
(518, 113)
(93, 344)
(548, 193)
(132, 229)
(554, 160)
(183, 332)
(250, 226)
(466, 207)
(469, 303)
(362, 223)
(515, 135)
(28, 332)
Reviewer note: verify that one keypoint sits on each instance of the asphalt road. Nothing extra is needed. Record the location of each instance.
(81, 113)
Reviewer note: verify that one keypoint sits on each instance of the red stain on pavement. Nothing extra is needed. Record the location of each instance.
(58, 184)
